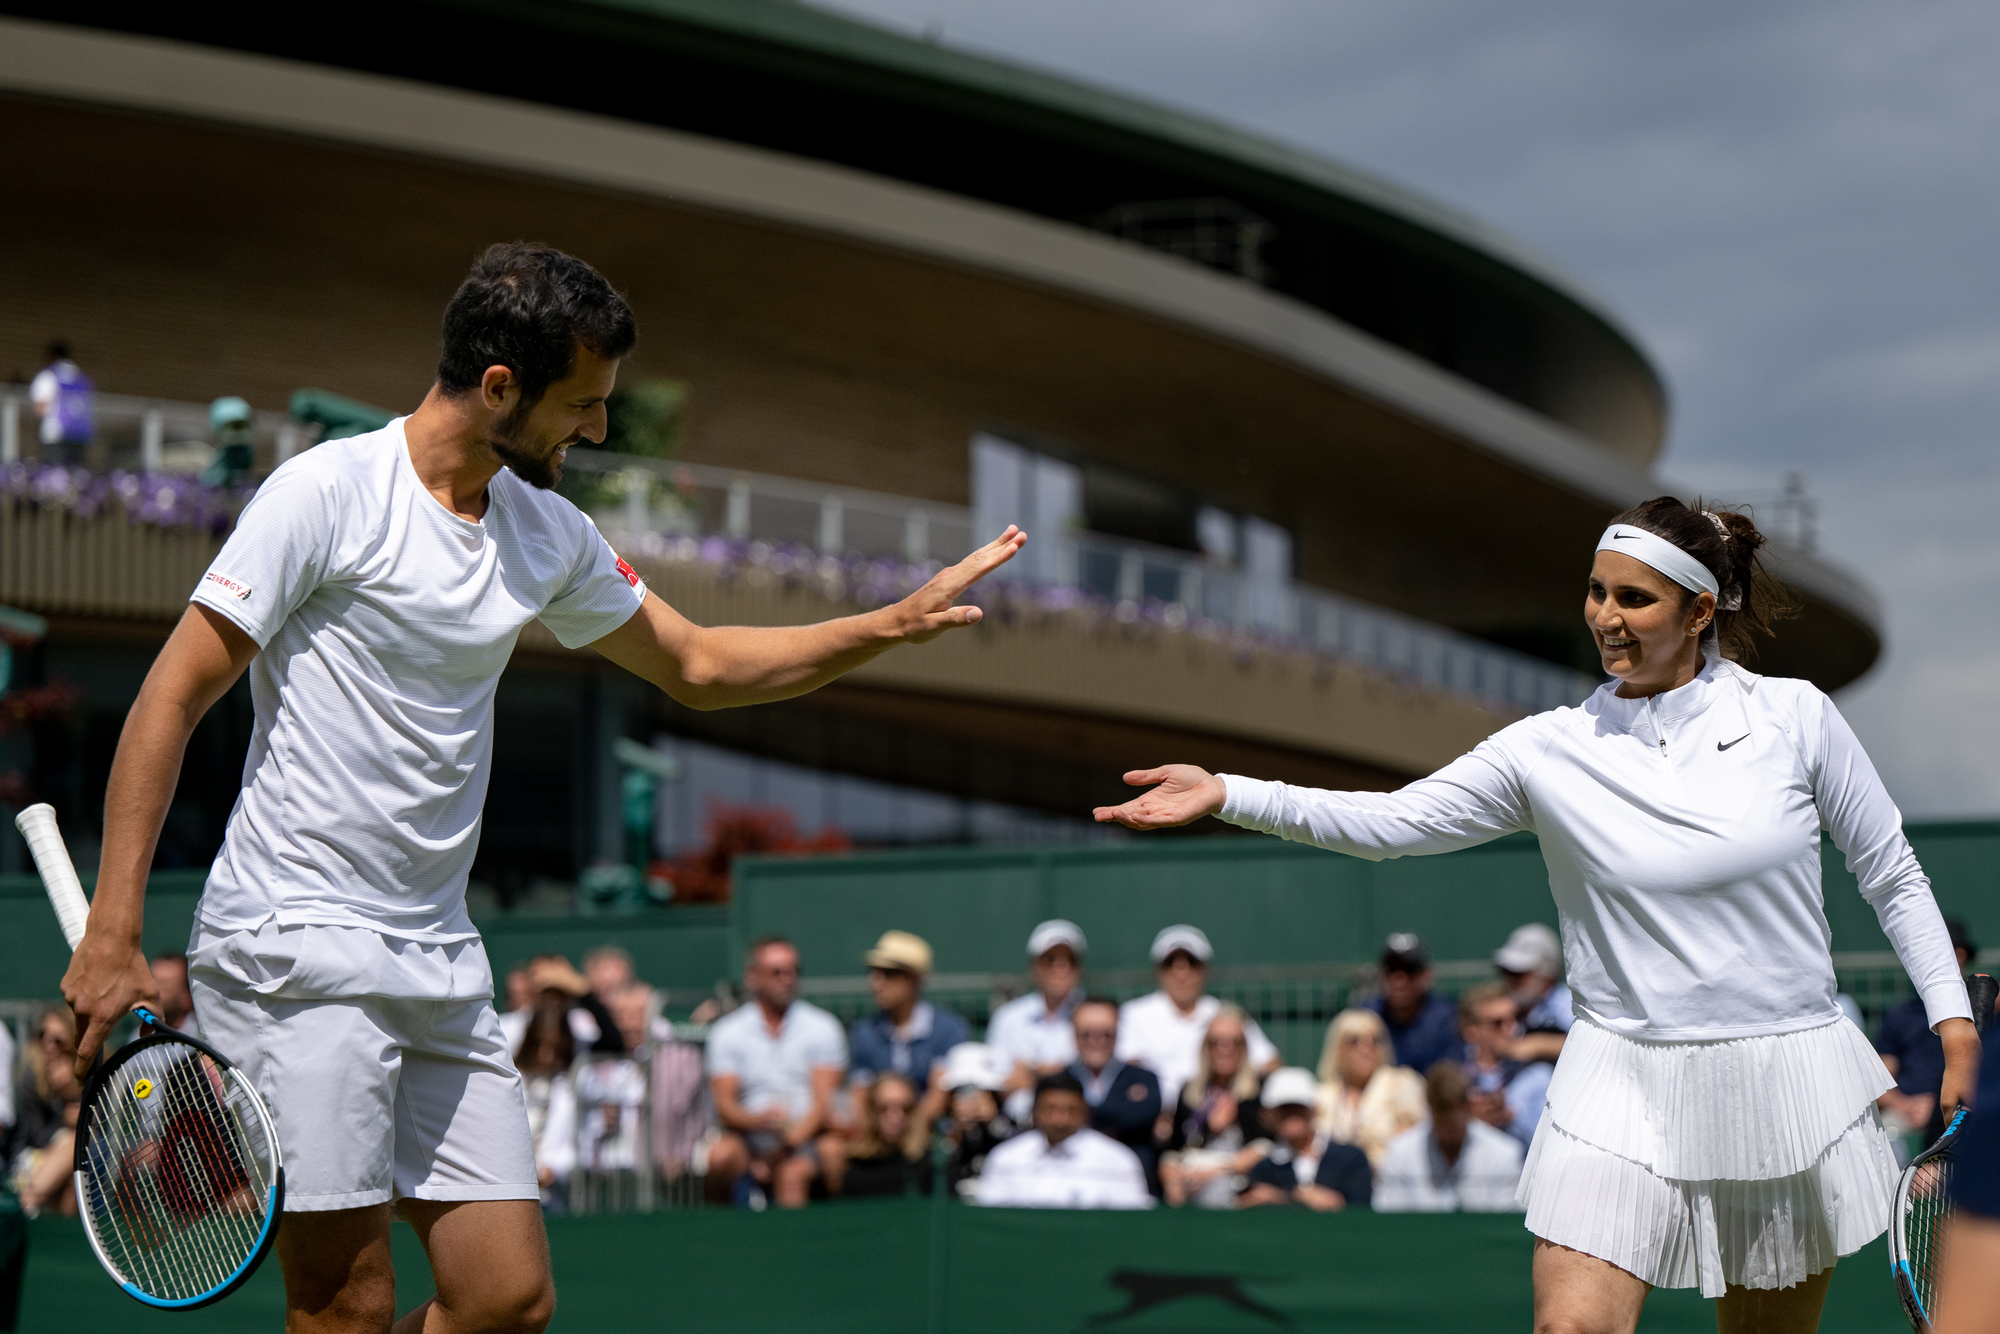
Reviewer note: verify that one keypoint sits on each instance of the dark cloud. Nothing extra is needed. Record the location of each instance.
(1794, 205)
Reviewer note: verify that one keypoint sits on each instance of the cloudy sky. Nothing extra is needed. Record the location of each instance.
(1795, 205)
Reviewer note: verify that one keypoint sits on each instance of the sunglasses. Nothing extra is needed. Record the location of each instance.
(1097, 1032)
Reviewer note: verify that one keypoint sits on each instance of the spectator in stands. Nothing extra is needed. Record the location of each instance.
(7, 1113)
(1365, 1099)
(906, 1034)
(1454, 1163)
(1163, 1030)
(887, 1156)
(1304, 1167)
(774, 1066)
(638, 1027)
(170, 975)
(1217, 1123)
(1530, 964)
(1507, 1094)
(1423, 1028)
(608, 970)
(1062, 1163)
(545, 1056)
(1915, 1055)
(520, 1004)
(1033, 1031)
(553, 977)
(40, 1155)
(1124, 1100)
(975, 1075)
(61, 393)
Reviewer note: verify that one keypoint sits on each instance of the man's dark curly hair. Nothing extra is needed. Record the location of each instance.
(526, 307)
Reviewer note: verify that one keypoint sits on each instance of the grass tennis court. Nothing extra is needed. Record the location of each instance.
(863, 1267)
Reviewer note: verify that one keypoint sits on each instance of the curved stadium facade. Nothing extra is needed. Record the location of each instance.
(1308, 462)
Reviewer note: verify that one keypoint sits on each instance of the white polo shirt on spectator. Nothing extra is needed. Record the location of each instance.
(775, 1069)
(1154, 1033)
(1026, 1030)
(1415, 1180)
(1086, 1171)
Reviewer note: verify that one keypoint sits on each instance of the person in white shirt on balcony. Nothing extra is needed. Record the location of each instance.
(1032, 1032)
(1062, 1163)
(1712, 1121)
(1163, 1029)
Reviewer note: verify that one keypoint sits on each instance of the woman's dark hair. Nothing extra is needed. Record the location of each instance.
(1739, 572)
(547, 1045)
(526, 307)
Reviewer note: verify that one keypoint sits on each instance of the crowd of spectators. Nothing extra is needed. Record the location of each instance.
(1419, 1101)
(1072, 1099)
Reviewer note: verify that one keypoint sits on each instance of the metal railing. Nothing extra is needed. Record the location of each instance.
(134, 432)
(1181, 590)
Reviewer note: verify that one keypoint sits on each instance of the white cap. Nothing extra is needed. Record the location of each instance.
(975, 1064)
(1531, 949)
(1052, 933)
(1182, 937)
(1289, 1087)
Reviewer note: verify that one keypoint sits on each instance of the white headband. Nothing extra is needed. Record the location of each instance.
(1662, 555)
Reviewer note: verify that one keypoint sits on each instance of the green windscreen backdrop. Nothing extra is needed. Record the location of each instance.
(1262, 901)
(866, 1268)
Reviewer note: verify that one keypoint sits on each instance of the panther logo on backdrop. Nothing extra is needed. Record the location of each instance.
(1144, 1291)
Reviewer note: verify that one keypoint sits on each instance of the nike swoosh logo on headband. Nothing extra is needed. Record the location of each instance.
(1624, 537)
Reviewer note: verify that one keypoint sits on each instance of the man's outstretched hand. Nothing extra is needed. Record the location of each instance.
(932, 610)
(1184, 794)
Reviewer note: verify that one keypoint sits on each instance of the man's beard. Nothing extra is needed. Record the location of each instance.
(541, 471)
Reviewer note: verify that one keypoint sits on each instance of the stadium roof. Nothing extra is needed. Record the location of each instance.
(800, 80)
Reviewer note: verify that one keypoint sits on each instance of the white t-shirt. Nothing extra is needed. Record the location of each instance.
(385, 621)
(1086, 1171)
(1682, 836)
(1415, 1180)
(1154, 1033)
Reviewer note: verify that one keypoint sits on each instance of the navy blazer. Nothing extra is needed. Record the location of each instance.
(1343, 1168)
(1129, 1109)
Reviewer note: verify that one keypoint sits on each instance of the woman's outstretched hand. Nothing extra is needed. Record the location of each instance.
(1184, 794)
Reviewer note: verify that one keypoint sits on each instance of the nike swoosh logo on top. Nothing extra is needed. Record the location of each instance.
(1725, 745)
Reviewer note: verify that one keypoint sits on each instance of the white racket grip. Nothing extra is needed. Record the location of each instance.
(38, 825)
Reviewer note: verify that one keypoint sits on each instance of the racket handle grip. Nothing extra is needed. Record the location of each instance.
(1982, 991)
(38, 825)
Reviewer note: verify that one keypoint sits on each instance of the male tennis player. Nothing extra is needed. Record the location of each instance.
(374, 589)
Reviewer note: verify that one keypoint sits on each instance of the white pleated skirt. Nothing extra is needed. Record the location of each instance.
(1756, 1162)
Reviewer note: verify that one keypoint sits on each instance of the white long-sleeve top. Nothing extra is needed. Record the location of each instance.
(1682, 836)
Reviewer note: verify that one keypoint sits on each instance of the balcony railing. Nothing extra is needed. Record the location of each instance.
(1180, 589)
(136, 433)
(1134, 580)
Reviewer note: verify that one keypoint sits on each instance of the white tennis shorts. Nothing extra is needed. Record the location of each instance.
(375, 1098)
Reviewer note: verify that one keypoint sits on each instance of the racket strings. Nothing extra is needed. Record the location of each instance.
(178, 1172)
(1926, 1206)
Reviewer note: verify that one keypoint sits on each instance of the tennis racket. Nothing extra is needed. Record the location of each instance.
(178, 1174)
(1923, 1196)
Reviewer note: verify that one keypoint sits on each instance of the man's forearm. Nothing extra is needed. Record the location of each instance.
(144, 774)
(733, 665)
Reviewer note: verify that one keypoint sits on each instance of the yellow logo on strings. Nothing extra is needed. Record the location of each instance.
(142, 1089)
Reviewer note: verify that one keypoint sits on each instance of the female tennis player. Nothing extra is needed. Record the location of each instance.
(1712, 1122)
